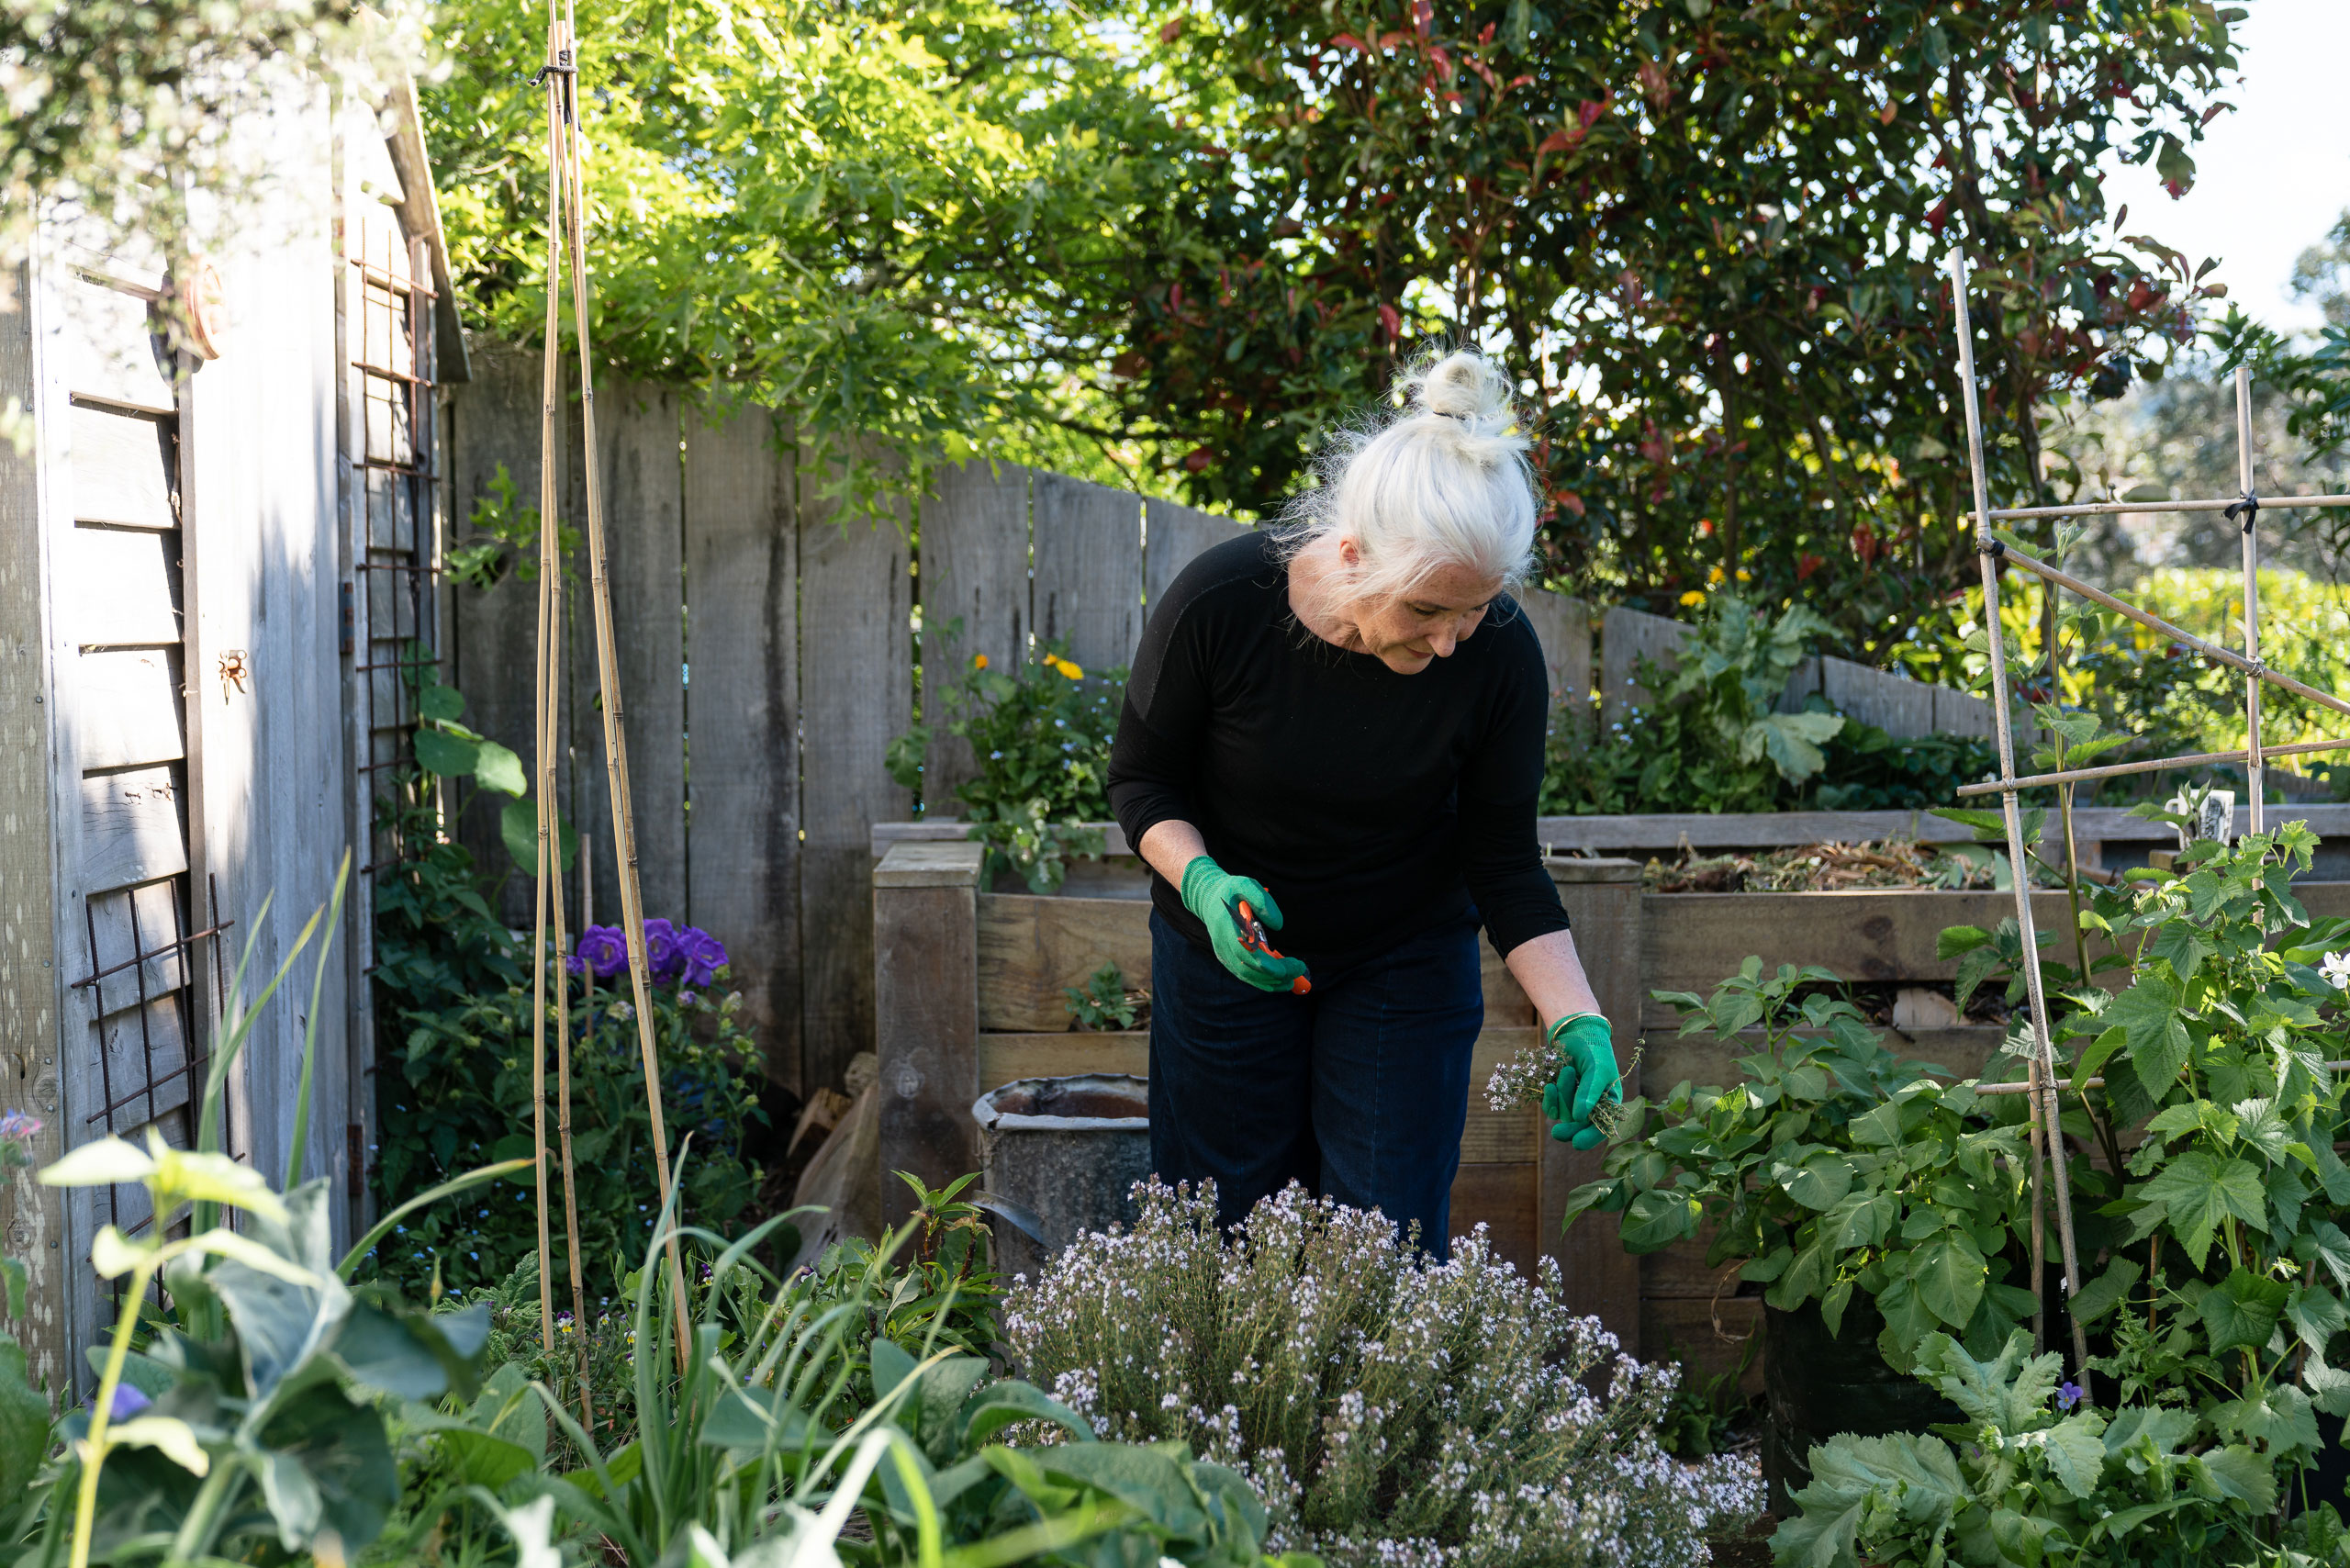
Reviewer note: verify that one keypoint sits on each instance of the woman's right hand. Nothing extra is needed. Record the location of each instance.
(1214, 895)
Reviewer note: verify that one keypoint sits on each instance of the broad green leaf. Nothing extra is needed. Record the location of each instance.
(104, 1162)
(23, 1423)
(2148, 1013)
(892, 1366)
(2241, 1310)
(1832, 1304)
(442, 704)
(1659, 1218)
(2106, 1291)
(1908, 1321)
(449, 756)
(2317, 1316)
(2182, 947)
(1819, 1183)
(1956, 940)
(172, 1438)
(2098, 1050)
(496, 767)
(2240, 1473)
(2196, 1191)
(2324, 1243)
(2076, 1451)
(1948, 1273)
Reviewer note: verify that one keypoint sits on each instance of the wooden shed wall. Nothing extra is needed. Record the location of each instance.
(178, 707)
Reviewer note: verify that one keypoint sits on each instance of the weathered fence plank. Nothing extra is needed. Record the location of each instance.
(130, 711)
(974, 586)
(855, 685)
(1177, 536)
(1089, 574)
(491, 656)
(1900, 707)
(742, 558)
(643, 531)
(1564, 627)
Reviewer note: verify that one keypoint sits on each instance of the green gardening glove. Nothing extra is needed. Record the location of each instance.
(1587, 1075)
(1213, 893)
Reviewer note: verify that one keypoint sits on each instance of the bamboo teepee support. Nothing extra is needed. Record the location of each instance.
(547, 912)
(562, 77)
(2049, 1142)
(2252, 769)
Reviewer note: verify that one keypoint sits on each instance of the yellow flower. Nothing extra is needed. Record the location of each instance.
(1067, 667)
(978, 661)
(1692, 596)
(1744, 576)
(1713, 574)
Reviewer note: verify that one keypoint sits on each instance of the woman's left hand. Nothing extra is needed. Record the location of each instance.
(1587, 1076)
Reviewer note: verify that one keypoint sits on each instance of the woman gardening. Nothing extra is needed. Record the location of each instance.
(1333, 732)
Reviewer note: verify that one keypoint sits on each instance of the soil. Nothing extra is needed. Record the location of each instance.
(1751, 1549)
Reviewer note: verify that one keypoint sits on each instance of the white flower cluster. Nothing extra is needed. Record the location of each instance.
(1389, 1409)
(1517, 1084)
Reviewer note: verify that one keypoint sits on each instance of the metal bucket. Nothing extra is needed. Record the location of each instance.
(1067, 1150)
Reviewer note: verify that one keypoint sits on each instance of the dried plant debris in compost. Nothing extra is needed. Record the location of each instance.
(1825, 868)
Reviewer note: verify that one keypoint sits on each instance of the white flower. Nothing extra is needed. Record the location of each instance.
(2335, 967)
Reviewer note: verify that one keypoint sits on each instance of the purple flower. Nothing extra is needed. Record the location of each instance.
(128, 1402)
(2067, 1396)
(17, 1127)
(705, 955)
(575, 965)
(662, 950)
(603, 949)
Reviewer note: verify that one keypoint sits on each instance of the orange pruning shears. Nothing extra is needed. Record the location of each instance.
(1253, 937)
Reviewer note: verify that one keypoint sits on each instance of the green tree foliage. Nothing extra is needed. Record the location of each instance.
(907, 219)
(122, 110)
(1704, 237)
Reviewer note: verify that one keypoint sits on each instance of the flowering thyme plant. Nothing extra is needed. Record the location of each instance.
(1389, 1410)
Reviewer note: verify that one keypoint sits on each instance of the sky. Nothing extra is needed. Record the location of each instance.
(2272, 177)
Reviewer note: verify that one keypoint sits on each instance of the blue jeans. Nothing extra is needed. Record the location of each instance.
(1358, 1088)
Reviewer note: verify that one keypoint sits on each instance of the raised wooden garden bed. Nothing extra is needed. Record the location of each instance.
(969, 987)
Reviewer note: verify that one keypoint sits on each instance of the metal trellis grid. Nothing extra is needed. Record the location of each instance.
(2047, 1141)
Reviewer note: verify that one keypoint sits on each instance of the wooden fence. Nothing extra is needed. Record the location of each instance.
(768, 655)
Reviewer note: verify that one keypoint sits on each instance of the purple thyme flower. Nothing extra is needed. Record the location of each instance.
(705, 955)
(603, 949)
(662, 950)
(17, 1127)
(2067, 1396)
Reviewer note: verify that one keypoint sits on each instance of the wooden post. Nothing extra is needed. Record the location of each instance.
(926, 1014)
(32, 1217)
(1602, 903)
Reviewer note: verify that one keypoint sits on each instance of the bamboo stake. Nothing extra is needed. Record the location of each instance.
(608, 680)
(2110, 508)
(2252, 769)
(2067, 1086)
(547, 896)
(2120, 769)
(550, 387)
(2045, 1104)
(2211, 651)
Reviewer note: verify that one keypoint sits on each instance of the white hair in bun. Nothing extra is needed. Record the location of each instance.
(1444, 481)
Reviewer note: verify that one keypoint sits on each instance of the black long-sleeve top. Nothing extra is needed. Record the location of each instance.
(1372, 805)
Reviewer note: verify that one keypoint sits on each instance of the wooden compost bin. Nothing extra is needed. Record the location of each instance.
(969, 987)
